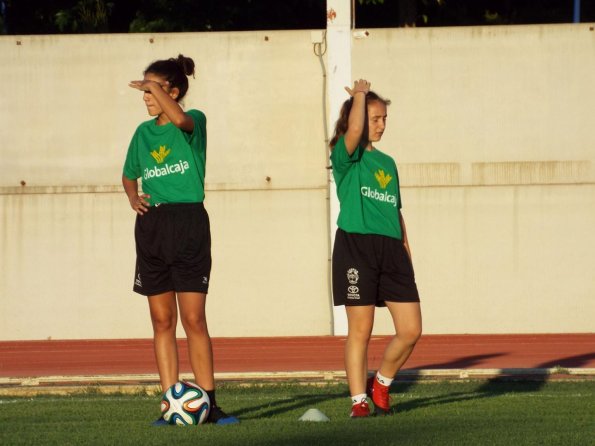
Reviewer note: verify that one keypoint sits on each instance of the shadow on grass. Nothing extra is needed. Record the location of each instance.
(492, 387)
(280, 406)
(505, 382)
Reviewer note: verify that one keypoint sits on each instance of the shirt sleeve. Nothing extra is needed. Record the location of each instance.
(132, 168)
(200, 126)
(341, 160)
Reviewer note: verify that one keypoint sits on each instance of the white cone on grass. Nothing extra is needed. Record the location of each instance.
(314, 415)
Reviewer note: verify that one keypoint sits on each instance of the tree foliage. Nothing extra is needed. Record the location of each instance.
(99, 16)
(84, 16)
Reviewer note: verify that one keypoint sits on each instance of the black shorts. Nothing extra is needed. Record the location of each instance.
(370, 269)
(173, 249)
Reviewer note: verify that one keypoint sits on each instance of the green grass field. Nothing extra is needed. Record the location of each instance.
(428, 413)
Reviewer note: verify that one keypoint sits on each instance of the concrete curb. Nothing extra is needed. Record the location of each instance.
(149, 383)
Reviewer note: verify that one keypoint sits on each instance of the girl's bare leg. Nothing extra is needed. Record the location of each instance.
(407, 321)
(200, 350)
(360, 320)
(164, 316)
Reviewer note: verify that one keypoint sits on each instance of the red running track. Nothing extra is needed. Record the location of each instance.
(19, 359)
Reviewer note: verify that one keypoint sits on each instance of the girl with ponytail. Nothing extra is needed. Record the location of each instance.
(371, 257)
(172, 231)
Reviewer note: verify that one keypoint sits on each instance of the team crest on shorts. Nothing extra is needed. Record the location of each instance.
(352, 289)
(352, 276)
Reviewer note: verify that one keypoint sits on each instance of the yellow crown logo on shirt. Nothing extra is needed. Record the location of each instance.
(382, 178)
(161, 155)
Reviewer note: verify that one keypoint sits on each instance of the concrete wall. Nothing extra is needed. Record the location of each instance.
(493, 133)
(67, 236)
(490, 127)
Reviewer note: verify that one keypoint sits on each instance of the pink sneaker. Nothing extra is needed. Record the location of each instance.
(360, 410)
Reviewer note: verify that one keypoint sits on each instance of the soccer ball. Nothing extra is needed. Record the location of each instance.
(185, 403)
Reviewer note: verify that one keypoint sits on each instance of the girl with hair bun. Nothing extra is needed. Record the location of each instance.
(172, 232)
(371, 256)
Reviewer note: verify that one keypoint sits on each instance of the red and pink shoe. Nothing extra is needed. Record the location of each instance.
(360, 410)
(379, 394)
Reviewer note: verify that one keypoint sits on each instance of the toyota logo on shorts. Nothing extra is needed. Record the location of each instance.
(353, 289)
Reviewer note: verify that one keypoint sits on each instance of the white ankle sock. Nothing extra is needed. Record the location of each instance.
(357, 399)
(383, 379)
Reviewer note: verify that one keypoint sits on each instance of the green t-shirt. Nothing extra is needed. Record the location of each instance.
(170, 161)
(368, 190)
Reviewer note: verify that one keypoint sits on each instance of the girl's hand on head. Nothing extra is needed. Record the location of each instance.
(139, 204)
(359, 86)
(141, 85)
(145, 85)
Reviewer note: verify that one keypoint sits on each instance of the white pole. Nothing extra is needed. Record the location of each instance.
(338, 38)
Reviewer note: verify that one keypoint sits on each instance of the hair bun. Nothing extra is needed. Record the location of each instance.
(186, 63)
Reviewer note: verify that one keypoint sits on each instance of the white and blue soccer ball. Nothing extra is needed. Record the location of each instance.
(184, 404)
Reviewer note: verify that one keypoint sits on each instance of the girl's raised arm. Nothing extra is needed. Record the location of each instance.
(166, 98)
(357, 116)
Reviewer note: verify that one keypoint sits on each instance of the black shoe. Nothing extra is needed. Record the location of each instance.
(217, 416)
